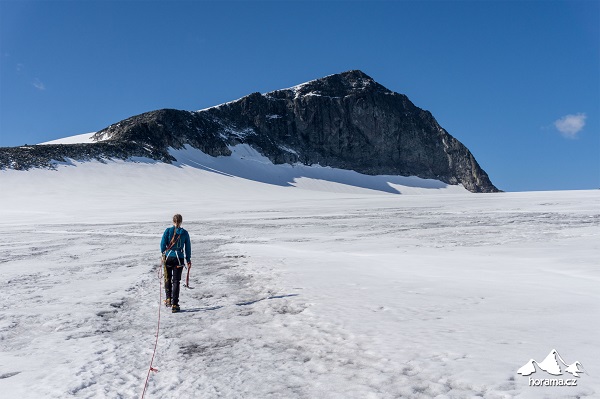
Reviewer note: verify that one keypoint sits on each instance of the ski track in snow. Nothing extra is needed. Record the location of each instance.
(80, 308)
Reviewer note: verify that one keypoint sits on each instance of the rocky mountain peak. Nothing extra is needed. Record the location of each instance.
(345, 121)
(336, 86)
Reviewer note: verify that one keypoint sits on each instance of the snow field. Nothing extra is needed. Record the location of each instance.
(456, 297)
(85, 138)
(345, 292)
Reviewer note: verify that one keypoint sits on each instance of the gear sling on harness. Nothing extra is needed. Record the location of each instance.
(171, 244)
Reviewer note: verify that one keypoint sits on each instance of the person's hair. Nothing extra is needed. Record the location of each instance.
(177, 219)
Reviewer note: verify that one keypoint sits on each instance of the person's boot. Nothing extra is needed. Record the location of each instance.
(175, 308)
(168, 302)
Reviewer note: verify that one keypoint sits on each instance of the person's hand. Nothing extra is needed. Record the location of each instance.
(189, 264)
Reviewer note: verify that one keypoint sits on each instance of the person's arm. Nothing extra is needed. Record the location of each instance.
(163, 242)
(188, 250)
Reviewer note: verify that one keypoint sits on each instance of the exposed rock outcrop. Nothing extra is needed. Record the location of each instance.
(345, 121)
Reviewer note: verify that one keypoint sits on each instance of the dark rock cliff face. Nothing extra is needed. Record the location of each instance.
(345, 121)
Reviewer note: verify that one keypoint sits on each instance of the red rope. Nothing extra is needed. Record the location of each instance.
(157, 330)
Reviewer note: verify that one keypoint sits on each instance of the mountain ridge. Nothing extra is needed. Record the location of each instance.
(345, 121)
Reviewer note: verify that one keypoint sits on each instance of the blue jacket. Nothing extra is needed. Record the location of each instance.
(183, 240)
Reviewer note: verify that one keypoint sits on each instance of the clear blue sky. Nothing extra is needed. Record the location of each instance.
(518, 82)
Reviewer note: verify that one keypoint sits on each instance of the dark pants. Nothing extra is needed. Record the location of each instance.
(173, 270)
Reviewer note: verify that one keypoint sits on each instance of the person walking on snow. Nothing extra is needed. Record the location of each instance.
(174, 241)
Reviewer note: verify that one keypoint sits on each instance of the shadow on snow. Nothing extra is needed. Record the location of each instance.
(246, 163)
